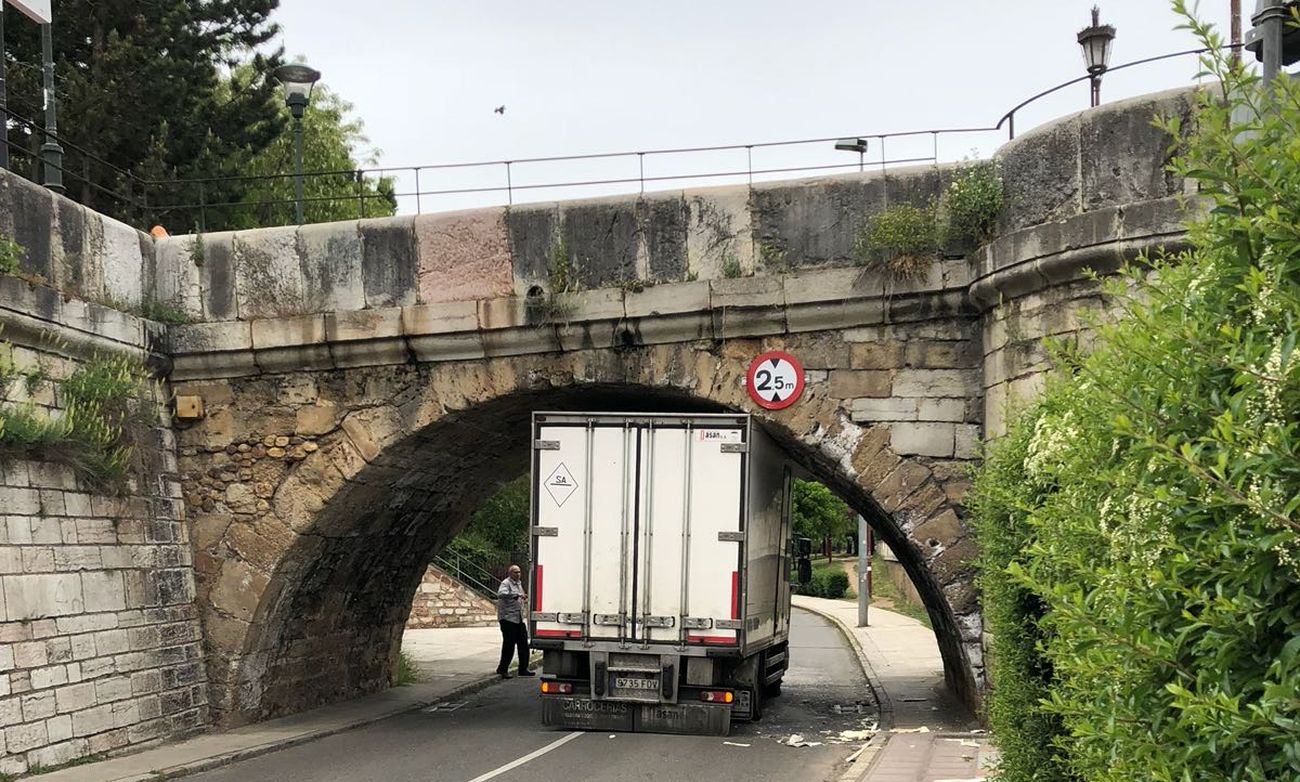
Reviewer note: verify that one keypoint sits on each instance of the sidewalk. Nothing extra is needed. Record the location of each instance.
(925, 731)
(451, 662)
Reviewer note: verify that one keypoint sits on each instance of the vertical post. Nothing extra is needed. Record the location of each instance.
(640, 167)
(418, 210)
(510, 190)
(1270, 22)
(1234, 9)
(297, 170)
(864, 570)
(862, 160)
(1095, 82)
(4, 97)
(51, 152)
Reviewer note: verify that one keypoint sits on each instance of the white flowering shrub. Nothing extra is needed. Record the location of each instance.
(1139, 525)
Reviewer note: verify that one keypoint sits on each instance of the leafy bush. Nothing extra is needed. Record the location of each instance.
(904, 239)
(1139, 526)
(972, 202)
(831, 582)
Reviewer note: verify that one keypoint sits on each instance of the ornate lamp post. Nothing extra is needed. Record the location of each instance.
(298, 81)
(1095, 42)
(1272, 40)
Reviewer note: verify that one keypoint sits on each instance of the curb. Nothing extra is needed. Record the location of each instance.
(864, 760)
(217, 761)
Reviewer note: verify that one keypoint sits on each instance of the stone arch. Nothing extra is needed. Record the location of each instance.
(309, 601)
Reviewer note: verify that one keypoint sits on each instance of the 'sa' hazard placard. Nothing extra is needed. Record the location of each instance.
(560, 484)
(775, 379)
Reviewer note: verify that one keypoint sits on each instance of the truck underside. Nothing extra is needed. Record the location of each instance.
(661, 691)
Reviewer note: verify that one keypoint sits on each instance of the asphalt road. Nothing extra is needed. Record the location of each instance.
(496, 734)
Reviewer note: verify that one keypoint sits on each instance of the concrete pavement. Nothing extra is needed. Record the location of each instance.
(926, 734)
(451, 662)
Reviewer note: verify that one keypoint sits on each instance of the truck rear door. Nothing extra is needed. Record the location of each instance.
(583, 499)
(688, 535)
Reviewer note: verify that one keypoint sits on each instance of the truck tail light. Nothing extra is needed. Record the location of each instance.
(558, 688)
(717, 696)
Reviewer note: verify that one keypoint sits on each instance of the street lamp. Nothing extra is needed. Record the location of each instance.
(1095, 41)
(1273, 41)
(298, 80)
(858, 145)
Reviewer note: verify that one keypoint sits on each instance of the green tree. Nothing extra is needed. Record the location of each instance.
(143, 88)
(500, 525)
(820, 515)
(1139, 526)
(334, 147)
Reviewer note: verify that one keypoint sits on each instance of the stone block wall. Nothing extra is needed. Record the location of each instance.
(100, 643)
(78, 251)
(442, 601)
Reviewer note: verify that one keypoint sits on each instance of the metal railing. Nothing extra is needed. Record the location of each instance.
(202, 196)
(479, 573)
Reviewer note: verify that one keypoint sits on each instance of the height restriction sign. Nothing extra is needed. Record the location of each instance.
(775, 379)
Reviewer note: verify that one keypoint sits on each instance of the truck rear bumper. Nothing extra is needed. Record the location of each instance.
(580, 713)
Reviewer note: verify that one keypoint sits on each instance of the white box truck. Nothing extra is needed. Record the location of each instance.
(660, 588)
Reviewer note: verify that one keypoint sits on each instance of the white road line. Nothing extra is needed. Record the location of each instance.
(496, 772)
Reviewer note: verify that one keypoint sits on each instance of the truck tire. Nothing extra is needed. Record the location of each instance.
(772, 690)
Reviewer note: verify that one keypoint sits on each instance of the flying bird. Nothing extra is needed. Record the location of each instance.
(500, 110)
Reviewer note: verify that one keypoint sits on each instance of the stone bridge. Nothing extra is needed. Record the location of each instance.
(365, 385)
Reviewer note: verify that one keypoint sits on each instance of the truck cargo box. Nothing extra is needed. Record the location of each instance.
(661, 561)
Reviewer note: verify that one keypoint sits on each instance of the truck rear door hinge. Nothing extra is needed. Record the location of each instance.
(546, 445)
(608, 620)
(697, 623)
(731, 536)
(546, 532)
(734, 447)
(658, 621)
(728, 624)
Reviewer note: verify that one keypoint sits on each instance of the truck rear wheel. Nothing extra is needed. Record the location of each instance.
(772, 689)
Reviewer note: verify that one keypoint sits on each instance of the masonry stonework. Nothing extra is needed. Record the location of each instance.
(100, 641)
(442, 601)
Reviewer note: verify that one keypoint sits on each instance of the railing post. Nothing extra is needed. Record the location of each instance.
(510, 193)
(361, 193)
(417, 191)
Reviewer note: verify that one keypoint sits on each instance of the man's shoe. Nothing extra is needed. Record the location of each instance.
(504, 674)
(527, 673)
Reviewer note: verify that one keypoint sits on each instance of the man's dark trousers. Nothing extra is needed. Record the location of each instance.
(514, 636)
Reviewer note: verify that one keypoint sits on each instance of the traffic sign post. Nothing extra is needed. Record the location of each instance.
(775, 380)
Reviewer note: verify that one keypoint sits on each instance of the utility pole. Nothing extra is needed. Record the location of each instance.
(1235, 10)
(864, 570)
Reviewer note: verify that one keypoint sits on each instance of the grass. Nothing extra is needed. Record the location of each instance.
(884, 591)
(39, 769)
(406, 673)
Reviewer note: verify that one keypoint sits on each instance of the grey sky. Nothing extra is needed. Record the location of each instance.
(578, 76)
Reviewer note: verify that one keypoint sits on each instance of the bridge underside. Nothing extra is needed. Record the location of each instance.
(307, 579)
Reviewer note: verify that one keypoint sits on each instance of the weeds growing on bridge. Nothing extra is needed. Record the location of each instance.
(905, 239)
(1140, 524)
(11, 253)
(104, 405)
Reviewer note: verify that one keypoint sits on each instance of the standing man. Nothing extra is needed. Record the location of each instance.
(510, 615)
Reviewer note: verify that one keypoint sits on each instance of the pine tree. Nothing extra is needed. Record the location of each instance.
(144, 90)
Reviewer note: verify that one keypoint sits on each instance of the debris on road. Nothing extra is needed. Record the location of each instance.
(734, 744)
(922, 729)
(797, 740)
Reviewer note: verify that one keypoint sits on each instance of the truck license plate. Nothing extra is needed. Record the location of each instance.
(630, 683)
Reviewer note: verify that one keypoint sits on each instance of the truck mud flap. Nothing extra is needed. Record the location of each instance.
(583, 714)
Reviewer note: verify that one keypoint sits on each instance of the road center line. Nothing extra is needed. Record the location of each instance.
(496, 772)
